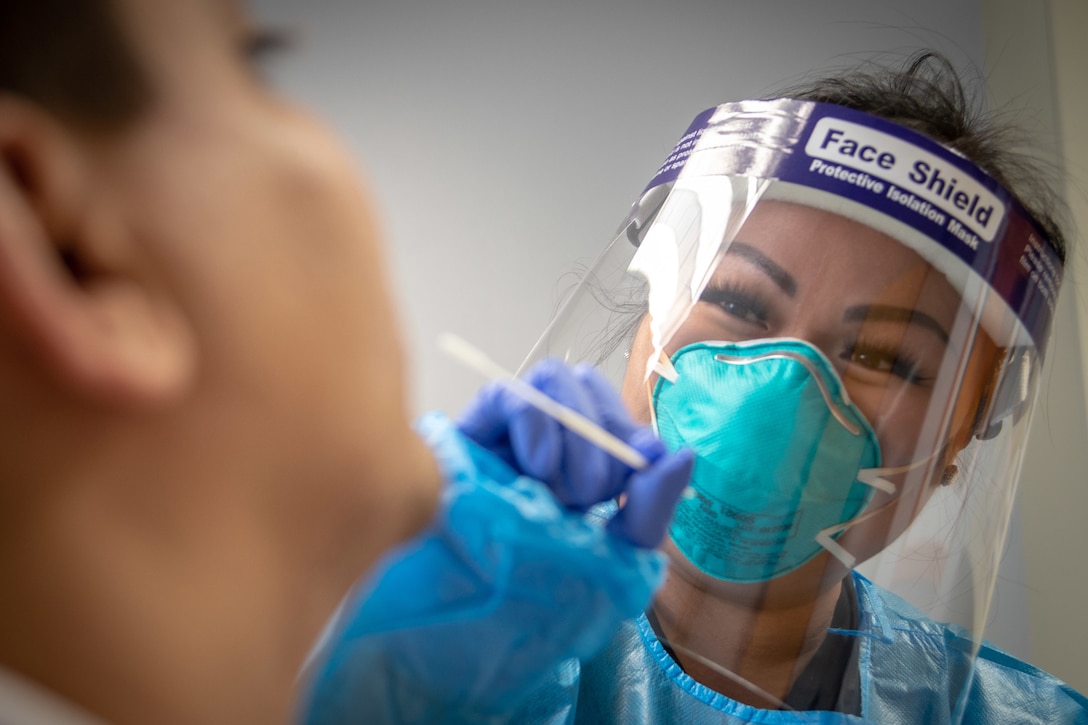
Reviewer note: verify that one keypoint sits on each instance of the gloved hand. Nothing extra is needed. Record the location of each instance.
(576, 470)
(508, 584)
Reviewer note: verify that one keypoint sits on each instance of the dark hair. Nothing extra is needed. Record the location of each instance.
(72, 58)
(927, 94)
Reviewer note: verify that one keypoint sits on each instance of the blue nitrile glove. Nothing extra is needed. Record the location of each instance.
(507, 584)
(579, 472)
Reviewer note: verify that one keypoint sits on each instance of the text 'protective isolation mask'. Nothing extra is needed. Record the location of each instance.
(778, 449)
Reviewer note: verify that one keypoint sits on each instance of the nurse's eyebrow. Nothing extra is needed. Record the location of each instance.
(887, 313)
(779, 276)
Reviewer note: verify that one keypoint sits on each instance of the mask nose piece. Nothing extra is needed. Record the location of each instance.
(832, 405)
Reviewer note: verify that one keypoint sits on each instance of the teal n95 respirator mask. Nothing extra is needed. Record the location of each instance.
(778, 452)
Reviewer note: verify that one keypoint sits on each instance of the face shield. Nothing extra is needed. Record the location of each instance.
(845, 321)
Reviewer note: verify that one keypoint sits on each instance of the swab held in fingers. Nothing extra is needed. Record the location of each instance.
(473, 358)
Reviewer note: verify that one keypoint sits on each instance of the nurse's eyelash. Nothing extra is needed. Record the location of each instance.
(883, 358)
(737, 302)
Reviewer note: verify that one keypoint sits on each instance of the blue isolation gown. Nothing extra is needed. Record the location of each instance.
(512, 610)
(910, 669)
(464, 621)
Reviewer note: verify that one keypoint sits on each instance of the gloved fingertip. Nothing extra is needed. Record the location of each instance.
(639, 536)
(677, 470)
(685, 455)
(645, 441)
(652, 495)
(482, 419)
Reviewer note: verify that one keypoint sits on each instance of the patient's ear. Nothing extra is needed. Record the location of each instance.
(80, 297)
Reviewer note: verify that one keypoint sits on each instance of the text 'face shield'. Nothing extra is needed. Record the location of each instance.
(844, 321)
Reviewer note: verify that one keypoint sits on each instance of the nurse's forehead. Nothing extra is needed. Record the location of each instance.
(793, 233)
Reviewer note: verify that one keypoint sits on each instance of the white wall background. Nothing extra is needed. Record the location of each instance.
(506, 140)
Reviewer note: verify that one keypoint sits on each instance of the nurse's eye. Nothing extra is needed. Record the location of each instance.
(879, 358)
(738, 303)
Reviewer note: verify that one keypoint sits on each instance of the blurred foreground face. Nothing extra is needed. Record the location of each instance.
(255, 217)
(207, 441)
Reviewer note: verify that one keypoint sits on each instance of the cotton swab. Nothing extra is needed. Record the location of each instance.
(473, 358)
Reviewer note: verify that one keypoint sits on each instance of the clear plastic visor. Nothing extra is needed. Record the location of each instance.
(856, 401)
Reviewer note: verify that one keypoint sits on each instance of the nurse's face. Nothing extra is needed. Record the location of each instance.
(891, 325)
(882, 315)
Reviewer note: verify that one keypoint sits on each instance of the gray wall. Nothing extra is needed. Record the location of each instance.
(1036, 61)
(505, 140)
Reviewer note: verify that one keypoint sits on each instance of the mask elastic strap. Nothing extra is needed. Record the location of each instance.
(874, 477)
(837, 550)
(663, 359)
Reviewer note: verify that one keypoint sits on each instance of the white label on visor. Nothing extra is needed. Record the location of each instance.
(914, 177)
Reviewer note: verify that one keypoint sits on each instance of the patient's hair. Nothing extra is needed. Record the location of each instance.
(926, 94)
(72, 58)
